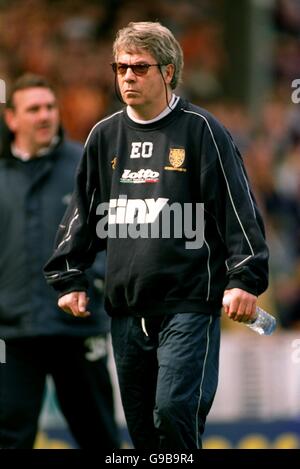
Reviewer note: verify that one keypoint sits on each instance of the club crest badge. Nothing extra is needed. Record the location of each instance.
(176, 159)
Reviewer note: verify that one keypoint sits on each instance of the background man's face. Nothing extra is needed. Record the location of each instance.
(34, 119)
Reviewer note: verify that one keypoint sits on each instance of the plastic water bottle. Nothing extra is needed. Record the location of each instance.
(263, 324)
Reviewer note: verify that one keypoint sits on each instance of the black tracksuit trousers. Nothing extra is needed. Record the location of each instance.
(83, 387)
(167, 378)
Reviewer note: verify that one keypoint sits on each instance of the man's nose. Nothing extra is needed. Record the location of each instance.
(129, 75)
(44, 113)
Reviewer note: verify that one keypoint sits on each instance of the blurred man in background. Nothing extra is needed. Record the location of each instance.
(37, 168)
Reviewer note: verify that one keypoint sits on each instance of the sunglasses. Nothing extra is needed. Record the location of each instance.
(138, 69)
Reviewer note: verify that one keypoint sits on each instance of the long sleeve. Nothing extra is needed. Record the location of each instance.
(233, 208)
(76, 242)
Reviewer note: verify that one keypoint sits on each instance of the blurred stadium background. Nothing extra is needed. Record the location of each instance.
(241, 58)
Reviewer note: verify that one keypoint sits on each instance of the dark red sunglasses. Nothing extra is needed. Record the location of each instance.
(138, 69)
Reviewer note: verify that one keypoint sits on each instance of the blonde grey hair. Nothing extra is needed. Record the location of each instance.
(155, 39)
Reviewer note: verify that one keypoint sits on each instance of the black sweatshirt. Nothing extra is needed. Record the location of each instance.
(155, 183)
(33, 198)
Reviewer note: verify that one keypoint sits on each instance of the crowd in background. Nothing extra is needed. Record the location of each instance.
(70, 42)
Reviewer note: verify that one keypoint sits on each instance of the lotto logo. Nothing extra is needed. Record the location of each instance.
(139, 177)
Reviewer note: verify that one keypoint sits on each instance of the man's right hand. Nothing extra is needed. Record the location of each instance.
(75, 303)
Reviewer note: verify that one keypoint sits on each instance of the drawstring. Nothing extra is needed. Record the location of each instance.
(144, 327)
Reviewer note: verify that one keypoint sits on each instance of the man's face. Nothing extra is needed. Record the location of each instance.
(34, 119)
(145, 93)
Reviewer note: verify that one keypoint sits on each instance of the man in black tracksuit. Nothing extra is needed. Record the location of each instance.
(162, 188)
(37, 171)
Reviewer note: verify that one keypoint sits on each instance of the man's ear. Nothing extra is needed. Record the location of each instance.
(10, 119)
(168, 73)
